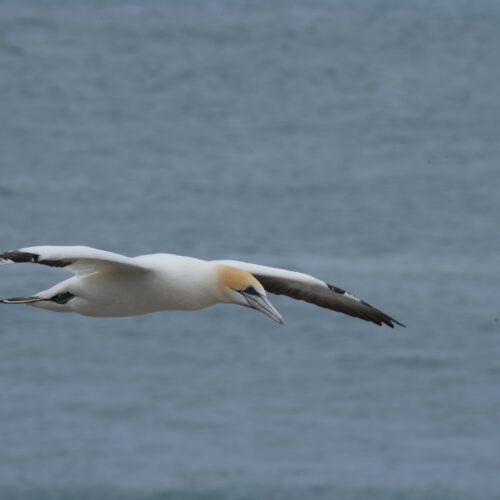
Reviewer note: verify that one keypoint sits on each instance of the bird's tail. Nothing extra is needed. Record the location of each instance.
(21, 300)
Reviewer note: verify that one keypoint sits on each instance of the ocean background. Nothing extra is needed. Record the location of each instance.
(356, 141)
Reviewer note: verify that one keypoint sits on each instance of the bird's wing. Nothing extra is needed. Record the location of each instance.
(80, 260)
(305, 287)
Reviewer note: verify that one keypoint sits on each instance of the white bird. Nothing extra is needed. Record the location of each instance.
(107, 284)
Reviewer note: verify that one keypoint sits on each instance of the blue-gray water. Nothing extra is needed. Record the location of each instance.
(357, 141)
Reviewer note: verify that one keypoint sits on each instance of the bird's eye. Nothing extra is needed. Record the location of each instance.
(251, 290)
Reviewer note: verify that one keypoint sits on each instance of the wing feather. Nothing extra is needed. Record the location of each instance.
(302, 286)
(81, 260)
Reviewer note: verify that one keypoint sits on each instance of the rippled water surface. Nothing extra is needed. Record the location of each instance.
(356, 141)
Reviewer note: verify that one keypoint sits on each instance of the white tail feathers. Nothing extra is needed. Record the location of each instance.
(21, 300)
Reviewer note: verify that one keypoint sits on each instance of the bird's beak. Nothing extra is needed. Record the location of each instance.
(263, 305)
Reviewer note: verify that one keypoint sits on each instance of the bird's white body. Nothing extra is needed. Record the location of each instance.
(107, 284)
(161, 282)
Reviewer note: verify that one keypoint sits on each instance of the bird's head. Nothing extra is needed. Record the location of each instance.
(240, 287)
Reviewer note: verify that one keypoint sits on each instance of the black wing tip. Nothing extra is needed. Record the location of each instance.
(393, 321)
(17, 256)
(388, 322)
(377, 316)
(382, 318)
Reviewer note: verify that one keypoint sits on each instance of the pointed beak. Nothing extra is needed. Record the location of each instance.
(263, 305)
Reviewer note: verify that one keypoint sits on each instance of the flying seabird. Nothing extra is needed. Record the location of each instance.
(108, 284)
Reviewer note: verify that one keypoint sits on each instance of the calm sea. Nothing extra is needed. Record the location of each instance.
(356, 141)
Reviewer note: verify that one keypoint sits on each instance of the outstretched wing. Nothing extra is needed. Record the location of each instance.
(305, 287)
(80, 260)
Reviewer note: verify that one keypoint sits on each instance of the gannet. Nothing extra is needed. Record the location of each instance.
(108, 284)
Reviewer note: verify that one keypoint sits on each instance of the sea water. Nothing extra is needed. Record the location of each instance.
(355, 141)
